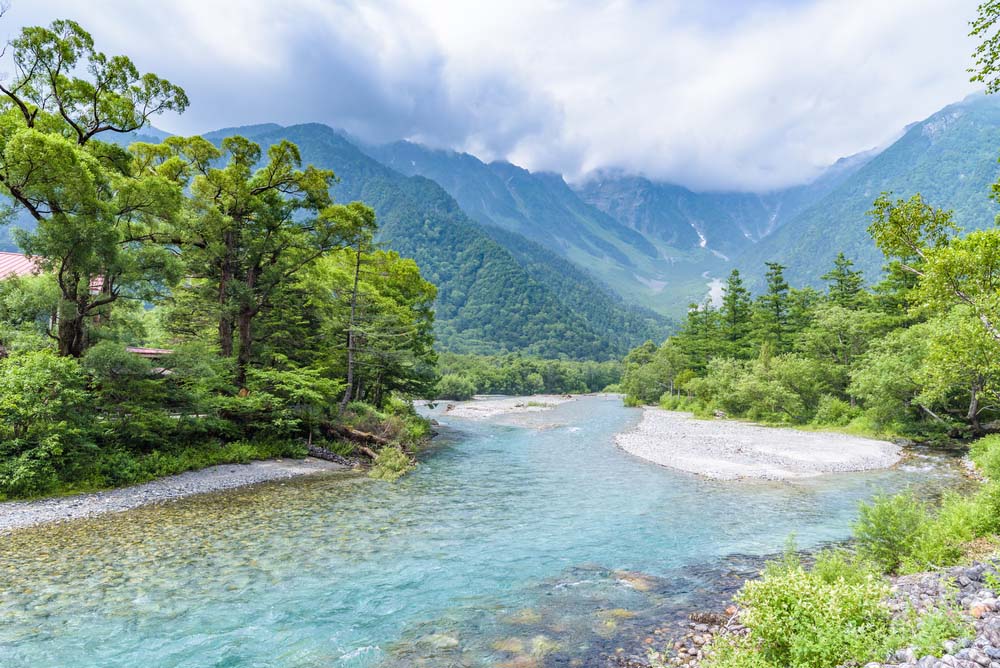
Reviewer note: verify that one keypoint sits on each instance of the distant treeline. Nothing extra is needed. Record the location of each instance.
(465, 375)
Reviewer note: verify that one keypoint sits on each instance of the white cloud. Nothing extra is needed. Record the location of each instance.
(748, 95)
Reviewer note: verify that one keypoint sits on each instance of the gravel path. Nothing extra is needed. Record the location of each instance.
(20, 514)
(730, 450)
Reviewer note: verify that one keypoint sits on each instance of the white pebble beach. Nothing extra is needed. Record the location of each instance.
(732, 450)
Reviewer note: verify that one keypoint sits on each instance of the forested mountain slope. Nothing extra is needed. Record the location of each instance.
(950, 158)
(487, 301)
(541, 207)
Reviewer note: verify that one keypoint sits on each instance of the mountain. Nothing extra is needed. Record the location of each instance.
(488, 299)
(950, 158)
(724, 222)
(658, 273)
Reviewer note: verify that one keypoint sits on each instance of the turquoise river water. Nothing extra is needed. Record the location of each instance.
(528, 544)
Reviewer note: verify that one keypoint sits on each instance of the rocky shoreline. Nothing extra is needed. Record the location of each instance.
(20, 514)
(971, 590)
(734, 450)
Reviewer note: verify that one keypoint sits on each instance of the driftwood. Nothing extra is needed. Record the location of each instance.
(360, 439)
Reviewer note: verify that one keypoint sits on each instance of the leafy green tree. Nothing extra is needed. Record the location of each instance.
(987, 54)
(455, 387)
(950, 270)
(845, 285)
(646, 383)
(887, 378)
(252, 228)
(963, 362)
(45, 419)
(94, 214)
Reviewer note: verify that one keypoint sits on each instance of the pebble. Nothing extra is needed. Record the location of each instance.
(20, 514)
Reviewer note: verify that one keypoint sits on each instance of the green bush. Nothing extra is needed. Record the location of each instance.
(887, 529)
(927, 631)
(46, 421)
(819, 618)
(835, 412)
(986, 454)
(455, 387)
(390, 464)
(942, 538)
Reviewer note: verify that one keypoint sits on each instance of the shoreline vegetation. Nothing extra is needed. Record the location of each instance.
(186, 302)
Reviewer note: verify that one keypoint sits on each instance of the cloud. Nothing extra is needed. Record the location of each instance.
(732, 95)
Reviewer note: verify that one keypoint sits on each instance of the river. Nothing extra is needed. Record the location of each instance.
(530, 544)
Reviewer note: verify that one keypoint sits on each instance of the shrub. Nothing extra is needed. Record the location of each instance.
(455, 387)
(926, 632)
(390, 464)
(887, 529)
(834, 411)
(986, 454)
(825, 617)
(45, 422)
(941, 539)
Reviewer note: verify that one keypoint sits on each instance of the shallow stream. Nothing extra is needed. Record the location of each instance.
(517, 542)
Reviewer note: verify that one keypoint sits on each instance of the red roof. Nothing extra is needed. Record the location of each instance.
(19, 264)
(151, 353)
(16, 264)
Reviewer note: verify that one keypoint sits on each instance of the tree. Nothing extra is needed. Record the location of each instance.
(962, 361)
(772, 307)
(363, 239)
(987, 54)
(950, 270)
(845, 285)
(251, 229)
(45, 419)
(94, 215)
(736, 313)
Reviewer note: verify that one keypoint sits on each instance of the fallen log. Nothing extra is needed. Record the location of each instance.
(357, 435)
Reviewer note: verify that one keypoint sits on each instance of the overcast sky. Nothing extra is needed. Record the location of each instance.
(734, 94)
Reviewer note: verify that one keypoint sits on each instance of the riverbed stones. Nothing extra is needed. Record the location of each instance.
(969, 589)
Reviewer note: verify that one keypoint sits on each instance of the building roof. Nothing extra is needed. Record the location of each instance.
(19, 264)
(151, 353)
(16, 264)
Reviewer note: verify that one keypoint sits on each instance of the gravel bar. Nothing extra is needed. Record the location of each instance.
(732, 450)
(20, 514)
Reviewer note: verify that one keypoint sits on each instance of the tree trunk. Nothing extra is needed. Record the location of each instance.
(70, 329)
(225, 277)
(244, 354)
(350, 331)
(973, 415)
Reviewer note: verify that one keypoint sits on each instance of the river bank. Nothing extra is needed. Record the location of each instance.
(733, 450)
(21, 514)
(969, 591)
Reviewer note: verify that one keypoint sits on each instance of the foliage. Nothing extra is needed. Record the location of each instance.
(519, 375)
(986, 454)
(886, 529)
(44, 421)
(391, 464)
(819, 618)
(455, 387)
(95, 209)
(927, 632)
(286, 309)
